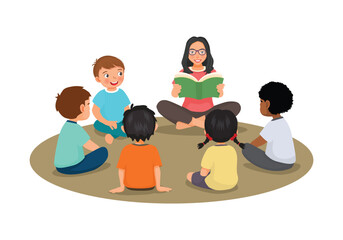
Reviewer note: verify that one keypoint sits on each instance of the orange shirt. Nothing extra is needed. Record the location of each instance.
(139, 161)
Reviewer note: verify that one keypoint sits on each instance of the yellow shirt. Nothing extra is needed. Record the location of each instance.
(222, 161)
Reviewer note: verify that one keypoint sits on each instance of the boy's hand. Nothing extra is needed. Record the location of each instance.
(163, 189)
(112, 124)
(117, 190)
(176, 90)
(220, 88)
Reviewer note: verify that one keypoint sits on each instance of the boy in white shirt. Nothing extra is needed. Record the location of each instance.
(275, 99)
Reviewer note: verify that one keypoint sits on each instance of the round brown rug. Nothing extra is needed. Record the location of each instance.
(179, 156)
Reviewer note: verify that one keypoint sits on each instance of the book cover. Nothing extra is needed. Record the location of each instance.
(204, 88)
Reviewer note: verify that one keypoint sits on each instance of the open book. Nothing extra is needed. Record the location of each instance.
(204, 88)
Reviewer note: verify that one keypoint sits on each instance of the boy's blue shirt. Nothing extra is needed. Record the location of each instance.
(112, 104)
(69, 149)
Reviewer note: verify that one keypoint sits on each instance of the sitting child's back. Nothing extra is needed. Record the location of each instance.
(222, 160)
(219, 163)
(139, 162)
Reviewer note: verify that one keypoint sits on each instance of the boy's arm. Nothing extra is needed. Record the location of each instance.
(126, 108)
(100, 118)
(259, 141)
(159, 188)
(90, 145)
(121, 174)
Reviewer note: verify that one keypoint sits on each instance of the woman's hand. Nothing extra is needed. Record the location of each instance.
(176, 90)
(220, 88)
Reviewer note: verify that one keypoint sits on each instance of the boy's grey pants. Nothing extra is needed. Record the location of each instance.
(259, 158)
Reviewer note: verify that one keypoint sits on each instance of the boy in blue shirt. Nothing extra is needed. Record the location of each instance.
(73, 104)
(110, 103)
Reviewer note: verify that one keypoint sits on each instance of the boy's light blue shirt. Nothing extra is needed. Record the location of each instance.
(69, 149)
(112, 104)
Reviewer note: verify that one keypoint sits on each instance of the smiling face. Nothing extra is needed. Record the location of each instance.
(197, 53)
(111, 78)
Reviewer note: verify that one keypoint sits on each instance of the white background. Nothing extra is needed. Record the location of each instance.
(46, 47)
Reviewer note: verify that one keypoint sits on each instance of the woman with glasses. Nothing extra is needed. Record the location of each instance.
(197, 61)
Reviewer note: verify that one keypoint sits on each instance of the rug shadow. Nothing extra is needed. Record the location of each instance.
(101, 168)
(102, 135)
(170, 129)
(251, 166)
(129, 192)
(194, 131)
(209, 190)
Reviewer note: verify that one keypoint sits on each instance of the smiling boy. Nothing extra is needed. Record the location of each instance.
(110, 103)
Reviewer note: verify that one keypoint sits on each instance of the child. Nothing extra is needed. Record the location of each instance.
(110, 103)
(275, 98)
(219, 163)
(73, 104)
(139, 163)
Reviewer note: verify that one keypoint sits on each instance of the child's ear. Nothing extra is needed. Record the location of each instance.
(97, 79)
(82, 108)
(122, 128)
(267, 104)
(156, 126)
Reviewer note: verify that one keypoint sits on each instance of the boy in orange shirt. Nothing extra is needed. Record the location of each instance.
(139, 163)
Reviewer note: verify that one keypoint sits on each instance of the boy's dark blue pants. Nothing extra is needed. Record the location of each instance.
(91, 162)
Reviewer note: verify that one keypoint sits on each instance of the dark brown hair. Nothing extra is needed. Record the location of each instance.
(107, 62)
(69, 101)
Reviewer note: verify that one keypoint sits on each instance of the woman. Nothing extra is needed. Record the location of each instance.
(197, 61)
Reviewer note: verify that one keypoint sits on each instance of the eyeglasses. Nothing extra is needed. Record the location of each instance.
(200, 51)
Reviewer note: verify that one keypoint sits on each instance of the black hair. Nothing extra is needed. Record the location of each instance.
(279, 96)
(139, 123)
(220, 125)
(186, 63)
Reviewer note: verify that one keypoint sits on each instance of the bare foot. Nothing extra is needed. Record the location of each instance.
(189, 176)
(181, 125)
(109, 139)
(199, 122)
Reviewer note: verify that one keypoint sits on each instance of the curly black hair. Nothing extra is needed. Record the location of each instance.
(279, 96)
(139, 123)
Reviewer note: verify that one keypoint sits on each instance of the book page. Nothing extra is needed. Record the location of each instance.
(210, 75)
(185, 75)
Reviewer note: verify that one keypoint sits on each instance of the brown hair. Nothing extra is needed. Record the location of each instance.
(107, 62)
(69, 101)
